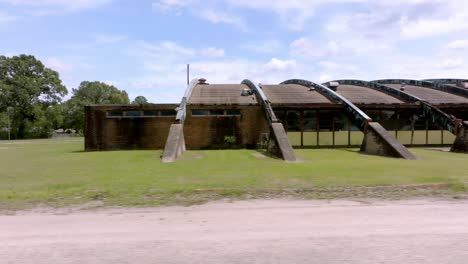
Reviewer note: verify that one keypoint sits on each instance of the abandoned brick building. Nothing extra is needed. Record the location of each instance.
(381, 116)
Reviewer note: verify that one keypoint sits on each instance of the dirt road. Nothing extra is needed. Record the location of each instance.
(273, 231)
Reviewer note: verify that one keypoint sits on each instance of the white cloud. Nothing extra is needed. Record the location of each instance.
(450, 63)
(458, 44)
(306, 47)
(168, 51)
(217, 17)
(58, 65)
(163, 77)
(265, 46)
(109, 39)
(164, 51)
(280, 65)
(212, 52)
(167, 6)
(431, 27)
(4, 18)
(294, 13)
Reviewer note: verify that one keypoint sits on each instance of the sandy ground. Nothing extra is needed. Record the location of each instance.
(259, 231)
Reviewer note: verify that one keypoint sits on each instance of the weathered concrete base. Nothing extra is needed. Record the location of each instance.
(279, 143)
(175, 144)
(461, 141)
(378, 141)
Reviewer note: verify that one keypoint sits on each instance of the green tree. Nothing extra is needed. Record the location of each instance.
(89, 93)
(29, 89)
(140, 100)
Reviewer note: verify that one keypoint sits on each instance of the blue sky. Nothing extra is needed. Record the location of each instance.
(142, 46)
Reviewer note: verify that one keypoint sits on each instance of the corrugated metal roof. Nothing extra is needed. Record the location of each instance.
(364, 95)
(432, 96)
(293, 94)
(227, 94)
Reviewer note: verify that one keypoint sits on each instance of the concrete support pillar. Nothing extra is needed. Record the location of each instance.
(278, 143)
(461, 141)
(175, 144)
(378, 141)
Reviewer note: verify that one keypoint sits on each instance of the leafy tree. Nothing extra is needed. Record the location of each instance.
(4, 125)
(89, 93)
(28, 89)
(140, 100)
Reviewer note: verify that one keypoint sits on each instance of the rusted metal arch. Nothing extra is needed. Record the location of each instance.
(381, 88)
(436, 115)
(278, 142)
(461, 83)
(357, 116)
(446, 80)
(182, 109)
(175, 142)
(377, 140)
(263, 100)
(431, 85)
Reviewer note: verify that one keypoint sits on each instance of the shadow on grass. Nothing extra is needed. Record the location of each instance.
(266, 154)
(353, 150)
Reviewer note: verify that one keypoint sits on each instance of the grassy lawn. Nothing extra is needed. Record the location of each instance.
(57, 172)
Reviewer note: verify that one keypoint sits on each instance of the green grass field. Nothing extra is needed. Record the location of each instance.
(57, 172)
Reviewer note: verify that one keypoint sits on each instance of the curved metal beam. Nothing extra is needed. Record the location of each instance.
(175, 142)
(263, 100)
(281, 142)
(182, 109)
(446, 80)
(431, 85)
(357, 115)
(436, 115)
(377, 140)
(381, 88)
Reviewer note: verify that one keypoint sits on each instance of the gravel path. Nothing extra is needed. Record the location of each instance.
(259, 231)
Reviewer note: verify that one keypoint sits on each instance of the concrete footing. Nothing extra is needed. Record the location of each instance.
(279, 143)
(461, 141)
(175, 144)
(378, 141)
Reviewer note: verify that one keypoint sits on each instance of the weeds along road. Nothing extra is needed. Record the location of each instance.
(273, 231)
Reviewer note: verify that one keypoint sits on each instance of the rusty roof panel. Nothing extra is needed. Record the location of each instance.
(364, 95)
(432, 96)
(293, 94)
(219, 94)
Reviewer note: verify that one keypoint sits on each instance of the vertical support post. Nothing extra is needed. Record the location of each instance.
(412, 133)
(333, 129)
(397, 124)
(427, 131)
(302, 128)
(349, 131)
(286, 121)
(442, 136)
(317, 115)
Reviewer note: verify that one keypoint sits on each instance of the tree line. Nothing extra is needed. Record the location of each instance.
(32, 101)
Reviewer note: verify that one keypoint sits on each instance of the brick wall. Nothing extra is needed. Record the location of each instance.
(113, 133)
(208, 132)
